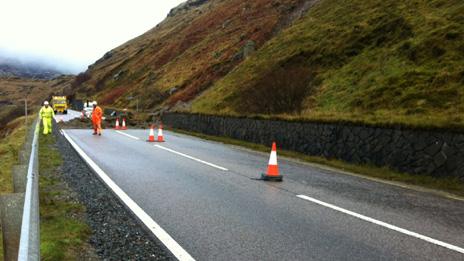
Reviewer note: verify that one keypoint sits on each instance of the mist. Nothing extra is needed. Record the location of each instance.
(33, 60)
(68, 36)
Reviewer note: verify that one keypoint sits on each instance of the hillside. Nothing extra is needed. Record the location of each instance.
(13, 91)
(15, 68)
(198, 43)
(370, 61)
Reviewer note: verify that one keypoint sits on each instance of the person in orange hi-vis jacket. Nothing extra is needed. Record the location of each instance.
(97, 114)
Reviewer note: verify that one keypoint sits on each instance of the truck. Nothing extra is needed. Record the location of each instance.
(60, 104)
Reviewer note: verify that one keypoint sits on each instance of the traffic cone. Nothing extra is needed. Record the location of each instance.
(151, 136)
(124, 127)
(116, 126)
(82, 115)
(273, 168)
(160, 134)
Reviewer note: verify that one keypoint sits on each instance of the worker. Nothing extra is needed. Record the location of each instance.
(46, 114)
(97, 114)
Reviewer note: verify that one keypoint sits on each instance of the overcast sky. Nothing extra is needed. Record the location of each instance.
(72, 34)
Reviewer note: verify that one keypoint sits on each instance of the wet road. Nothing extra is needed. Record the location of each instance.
(203, 195)
(67, 117)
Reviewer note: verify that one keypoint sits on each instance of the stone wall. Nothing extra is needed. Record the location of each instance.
(415, 151)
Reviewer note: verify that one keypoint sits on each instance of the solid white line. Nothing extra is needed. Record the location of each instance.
(157, 230)
(383, 224)
(128, 135)
(192, 158)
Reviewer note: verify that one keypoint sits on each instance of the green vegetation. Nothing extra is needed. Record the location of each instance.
(63, 232)
(369, 61)
(449, 185)
(10, 144)
(11, 139)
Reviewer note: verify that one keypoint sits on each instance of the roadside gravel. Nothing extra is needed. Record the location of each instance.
(116, 233)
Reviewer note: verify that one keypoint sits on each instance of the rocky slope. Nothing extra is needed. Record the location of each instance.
(370, 61)
(198, 43)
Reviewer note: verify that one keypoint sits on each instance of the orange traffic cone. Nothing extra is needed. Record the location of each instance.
(273, 168)
(124, 127)
(151, 136)
(116, 126)
(160, 134)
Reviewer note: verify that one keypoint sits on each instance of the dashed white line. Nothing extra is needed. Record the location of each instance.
(128, 135)
(192, 158)
(383, 224)
(157, 230)
(178, 153)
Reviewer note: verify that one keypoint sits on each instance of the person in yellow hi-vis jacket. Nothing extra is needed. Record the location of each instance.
(46, 114)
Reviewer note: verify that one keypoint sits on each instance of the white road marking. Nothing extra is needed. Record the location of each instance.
(178, 153)
(383, 224)
(128, 135)
(192, 158)
(157, 230)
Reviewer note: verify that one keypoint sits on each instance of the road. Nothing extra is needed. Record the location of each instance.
(203, 194)
(67, 117)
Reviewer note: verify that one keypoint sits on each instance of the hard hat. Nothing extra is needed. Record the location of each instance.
(45, 102)
(94, 103)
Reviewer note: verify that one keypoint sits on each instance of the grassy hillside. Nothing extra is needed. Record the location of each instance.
(184, 55)
(369, 61)
(380, 61)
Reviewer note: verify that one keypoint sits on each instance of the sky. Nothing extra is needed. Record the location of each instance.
(71, 34)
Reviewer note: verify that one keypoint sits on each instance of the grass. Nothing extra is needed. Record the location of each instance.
(9, 151)
(371, 61)
(62, 230)
(376, 62)
(448, 185)
(10, 144)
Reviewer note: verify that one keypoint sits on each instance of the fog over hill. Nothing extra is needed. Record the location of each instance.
(15, 67)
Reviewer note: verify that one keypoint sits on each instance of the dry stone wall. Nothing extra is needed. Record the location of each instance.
(425, 152)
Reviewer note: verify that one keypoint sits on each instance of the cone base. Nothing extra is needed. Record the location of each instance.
(266, 177)
(123, 128)
(151, 140)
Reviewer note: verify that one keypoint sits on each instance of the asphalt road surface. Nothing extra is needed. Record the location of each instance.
(203, 194)
(67, 117)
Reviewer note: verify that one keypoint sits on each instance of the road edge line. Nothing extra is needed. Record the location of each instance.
(384, 224)
(174, 247)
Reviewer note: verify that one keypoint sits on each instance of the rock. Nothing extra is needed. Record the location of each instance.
(118, 75)
(186, 6)
(440, 159)
(434, 148)
(249, 48)
(172, 91)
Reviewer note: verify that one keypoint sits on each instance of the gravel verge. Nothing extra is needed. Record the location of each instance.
(116, 233)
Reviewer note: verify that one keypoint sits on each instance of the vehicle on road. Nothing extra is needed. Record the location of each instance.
(60, 104)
